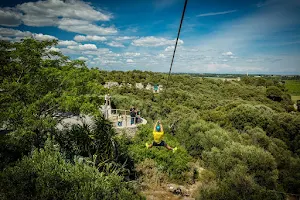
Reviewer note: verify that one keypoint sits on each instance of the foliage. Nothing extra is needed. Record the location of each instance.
(248, 143)
(249, 115)
(175, 165)
(46, 175)
(274, 93)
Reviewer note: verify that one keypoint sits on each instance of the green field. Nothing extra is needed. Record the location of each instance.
(293, 87)
(295, 98)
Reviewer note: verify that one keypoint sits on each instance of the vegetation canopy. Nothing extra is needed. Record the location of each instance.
(244, 135)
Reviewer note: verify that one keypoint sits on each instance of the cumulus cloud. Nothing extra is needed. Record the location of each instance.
(229, 53)
(83, 47)
(67, 43)
(10, 17)
(98, 52)
(131, 54)
(129, 61)
(54, 49)
(125, 38)
(115, 44)
(13, 34)
(5, 38)
(69, 15)
(82, 58)
(47, 13)
(169, 48)
(82, 38)
(9, 32)
(84, 27)
(161, 56)
(152, 41)
(41, 36)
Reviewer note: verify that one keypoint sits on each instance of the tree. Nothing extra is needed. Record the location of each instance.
(274, 93)
(46, 175)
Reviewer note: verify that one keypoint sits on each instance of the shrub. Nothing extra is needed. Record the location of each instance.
(274, 93)
(249, 115)
(46, 175)
(173, 164)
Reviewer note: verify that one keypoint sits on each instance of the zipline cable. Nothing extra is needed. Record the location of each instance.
(182, 17)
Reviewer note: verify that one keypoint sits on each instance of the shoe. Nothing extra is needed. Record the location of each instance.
(147, 145)
(174, 149)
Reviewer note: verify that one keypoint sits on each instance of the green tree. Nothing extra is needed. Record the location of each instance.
(274, 93)
(46, 175)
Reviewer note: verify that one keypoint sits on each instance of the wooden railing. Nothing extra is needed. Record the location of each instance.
(126, 117)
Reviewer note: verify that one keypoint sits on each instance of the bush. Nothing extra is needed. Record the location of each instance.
(274, 93)
(173, 164)
(46, 175)
(249, 115)
(237, 185)
(257, 162)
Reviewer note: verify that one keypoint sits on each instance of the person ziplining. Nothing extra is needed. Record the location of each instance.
(158, 130)
(158, 133)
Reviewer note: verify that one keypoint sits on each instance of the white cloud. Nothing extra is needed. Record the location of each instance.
(84, 27)
(80, 38)
(115, 44)
(13, 34)
(129, 61)
(47, 13)
(83, 38)
(41, 36)
(216, 67)
(131, 54)
(54, 49)
(83, 47)
(10, 17)
(229, 53)
(67, 43)
(125, 38)
(82, 58)
(169, 48)
(216, 13)
(152, 41)
(98, 52)
(161, 56)
(5, 38)
(70, 15)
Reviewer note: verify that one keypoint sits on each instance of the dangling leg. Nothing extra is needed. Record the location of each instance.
(148, 146)
(170, 148)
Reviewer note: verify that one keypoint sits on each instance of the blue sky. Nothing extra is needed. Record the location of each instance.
(218, 36)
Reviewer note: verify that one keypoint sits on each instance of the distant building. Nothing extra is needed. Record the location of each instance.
(139, 85)
(129, 85)
(111, 84)
(149, 87)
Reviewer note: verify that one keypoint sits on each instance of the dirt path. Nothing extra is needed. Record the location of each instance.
(172, 191)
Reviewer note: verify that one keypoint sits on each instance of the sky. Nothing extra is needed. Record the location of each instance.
(217, 36)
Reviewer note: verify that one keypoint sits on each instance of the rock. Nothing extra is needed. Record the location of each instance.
(111, 84)
(178, 190)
